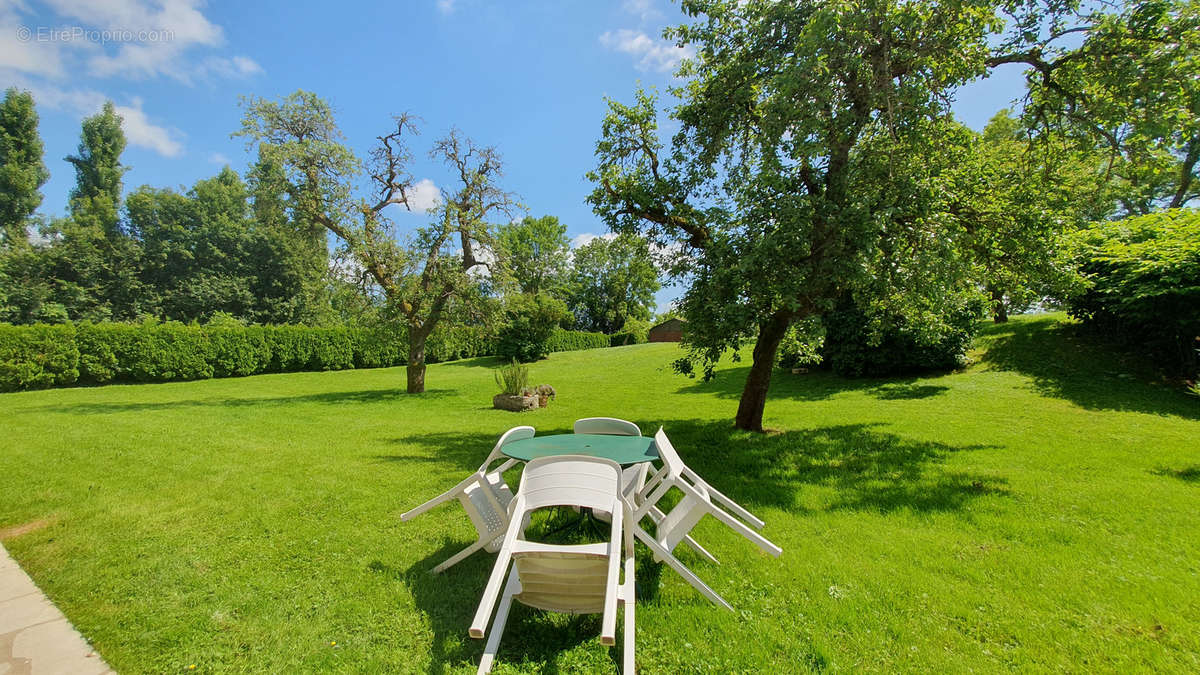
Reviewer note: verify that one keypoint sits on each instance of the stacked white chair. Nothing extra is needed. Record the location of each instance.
(633, 477)
(578, 578)
(699, 499)
(485, 496)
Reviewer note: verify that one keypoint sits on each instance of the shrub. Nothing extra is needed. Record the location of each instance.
(857, 344)
(530, 321)
(634, 332)
(33, 357)
(147, 352)
(1142, 279)
(572, 340)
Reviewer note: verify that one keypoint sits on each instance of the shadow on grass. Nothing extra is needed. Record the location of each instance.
(330, 398)
(817, 385)
(868, 468)
(1189, 474)
(531, 637)
(1067, 364)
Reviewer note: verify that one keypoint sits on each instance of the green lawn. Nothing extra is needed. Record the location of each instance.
(1040, 510)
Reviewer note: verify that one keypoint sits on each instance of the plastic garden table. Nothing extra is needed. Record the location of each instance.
(623, 450)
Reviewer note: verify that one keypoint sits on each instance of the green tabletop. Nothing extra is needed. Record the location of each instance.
(620, 449)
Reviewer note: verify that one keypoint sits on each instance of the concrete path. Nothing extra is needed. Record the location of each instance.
(35, 638)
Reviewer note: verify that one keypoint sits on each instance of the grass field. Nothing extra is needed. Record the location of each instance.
(1037, 511)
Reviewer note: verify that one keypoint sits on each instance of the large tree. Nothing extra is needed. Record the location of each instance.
(612, 281)
(22, 169)
(96, 198)
(766, 186)
(536, 253)
(432, 275)
(203, 254)
(1132, 87)
(1016, 201)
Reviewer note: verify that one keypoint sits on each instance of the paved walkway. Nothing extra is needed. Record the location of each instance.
(35, 638)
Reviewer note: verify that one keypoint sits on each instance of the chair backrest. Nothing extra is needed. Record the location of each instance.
(513, 434)
(571, 480)
(609, 426)
(666, 452)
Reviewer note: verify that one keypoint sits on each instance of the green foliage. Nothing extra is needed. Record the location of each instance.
(1016, 201)
(534, 252)
(513, 379)
(22, 169)
(1131, 88)
(529, 322)
(796, 175)
(876, 344)
(1143, 283)
(612, 281)
(572, 340)
(634, 332)
(96, 197)
(35, 357)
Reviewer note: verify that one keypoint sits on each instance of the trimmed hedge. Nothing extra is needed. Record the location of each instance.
(39, 356)
(34, 357)
(572, 340)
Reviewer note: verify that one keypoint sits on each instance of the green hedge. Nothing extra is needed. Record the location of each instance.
(33, 357)
(39, 356)
(572, 340)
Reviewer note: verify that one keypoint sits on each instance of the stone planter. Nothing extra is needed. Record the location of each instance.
(514, 403)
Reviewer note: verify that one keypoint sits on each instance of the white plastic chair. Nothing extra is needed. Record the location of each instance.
(576, 579)
(632, 477)
(676, 526)
(485, 497)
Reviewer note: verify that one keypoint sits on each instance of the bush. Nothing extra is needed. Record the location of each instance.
(1143, 284)
(634, 332)
(148, 352)
(901, 348)
(33, 357)
(572, 340)
(530, 321)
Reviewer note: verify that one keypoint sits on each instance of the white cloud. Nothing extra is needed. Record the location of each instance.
(650, 54)
(138, 128)
(587, 237)
(424, 196)
(218, 158)
(445, 6)
(119, 38)
(644, 9)
(141, 132)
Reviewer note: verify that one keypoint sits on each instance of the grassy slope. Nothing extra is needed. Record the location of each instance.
(1036, 511)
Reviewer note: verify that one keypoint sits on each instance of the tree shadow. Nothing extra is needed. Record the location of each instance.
(1065, 363)
(817, 385)
(1189, 474)
(330, 398)
(868, 468)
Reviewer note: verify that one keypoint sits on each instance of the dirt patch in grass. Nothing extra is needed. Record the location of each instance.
(24, 528)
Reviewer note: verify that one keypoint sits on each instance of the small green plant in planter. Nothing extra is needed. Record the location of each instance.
(515, 394)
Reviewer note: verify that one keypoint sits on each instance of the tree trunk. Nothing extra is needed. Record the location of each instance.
(999, 309)
(758, 381)
(416, 360)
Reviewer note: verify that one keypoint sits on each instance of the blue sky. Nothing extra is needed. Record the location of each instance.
(527, 77)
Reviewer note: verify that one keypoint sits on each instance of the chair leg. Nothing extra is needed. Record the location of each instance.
(741, 528)
(493, 643)
(687, 539)
(458, 557)
(629, 667)
(664, 555)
